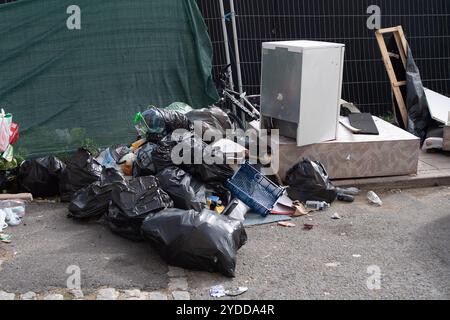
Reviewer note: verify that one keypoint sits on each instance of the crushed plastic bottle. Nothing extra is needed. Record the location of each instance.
(373, 198)
(317, 205)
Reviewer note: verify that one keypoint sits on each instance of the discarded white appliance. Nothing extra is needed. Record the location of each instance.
(301, 89)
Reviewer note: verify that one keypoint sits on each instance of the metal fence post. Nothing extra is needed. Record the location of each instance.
(225, 40)
(236, 47)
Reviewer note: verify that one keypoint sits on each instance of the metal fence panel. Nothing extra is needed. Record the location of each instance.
(427, 26)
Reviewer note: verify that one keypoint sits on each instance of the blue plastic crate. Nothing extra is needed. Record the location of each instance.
(254, 189)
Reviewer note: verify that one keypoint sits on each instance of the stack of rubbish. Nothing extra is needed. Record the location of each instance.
(164, 189)
(143, 194)
(9, 134)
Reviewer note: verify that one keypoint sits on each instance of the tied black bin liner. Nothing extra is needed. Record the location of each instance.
(40, 177)
(309, 181)
(93, 201)
(196, 240)
(132, 202)
(185, 191)
(81, 170)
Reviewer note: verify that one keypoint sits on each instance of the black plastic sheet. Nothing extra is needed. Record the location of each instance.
(416, 100)
(40, 176)
(200, 241)
(132, 202)
(186, 192)
(308, 181)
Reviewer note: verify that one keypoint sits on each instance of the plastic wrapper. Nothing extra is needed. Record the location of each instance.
(81, 170)
(309, 181)
(93, 201)
(132, 202)
(213, 118)
(144, 166)
(41, 176)
(196, 240)
(185, 191)
(111, 157)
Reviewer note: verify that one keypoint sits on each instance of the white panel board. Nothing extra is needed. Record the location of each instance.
(439, 106)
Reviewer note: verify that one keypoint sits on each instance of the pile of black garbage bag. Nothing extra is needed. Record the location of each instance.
(163, 203)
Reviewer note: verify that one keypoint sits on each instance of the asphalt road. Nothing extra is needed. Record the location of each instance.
(407, 240)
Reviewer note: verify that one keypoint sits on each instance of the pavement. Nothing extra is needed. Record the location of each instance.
(398, 251)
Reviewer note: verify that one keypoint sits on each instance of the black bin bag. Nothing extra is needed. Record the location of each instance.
(132, 202)
(214, 119)
(93, 200)
(40, 176)
(81, 170)
(196, 240)
(308, 181)
(208, 173)
(186, 192)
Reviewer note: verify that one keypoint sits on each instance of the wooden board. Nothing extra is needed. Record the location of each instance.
(402, 45)
(392, 153)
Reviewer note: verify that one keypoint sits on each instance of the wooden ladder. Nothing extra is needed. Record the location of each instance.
(402, 45)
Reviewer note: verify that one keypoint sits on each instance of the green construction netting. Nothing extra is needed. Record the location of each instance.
(68, 87)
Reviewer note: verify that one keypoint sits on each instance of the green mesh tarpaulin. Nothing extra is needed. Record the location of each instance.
(78, 77)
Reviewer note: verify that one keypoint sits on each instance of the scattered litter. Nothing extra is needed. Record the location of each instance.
(317, 205)
(217, 291)
(286, 224)
(308, 226)
(336, 216)
(374, 199)
(11, 213)
(300, 209)
(236, 210)
(342, 234)
(356, 256)
(6, 238)
(333, 264)
(236, 292)
(396, 191)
